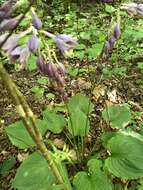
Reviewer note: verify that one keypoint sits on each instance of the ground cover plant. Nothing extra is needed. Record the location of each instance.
(71, 114)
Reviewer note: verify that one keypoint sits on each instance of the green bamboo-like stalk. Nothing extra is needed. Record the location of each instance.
(29, 121)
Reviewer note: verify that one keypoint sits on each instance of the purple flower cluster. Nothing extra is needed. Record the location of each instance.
(6, 22)
(16, 52)
(133, 8)
(112, 40)
(55, 72)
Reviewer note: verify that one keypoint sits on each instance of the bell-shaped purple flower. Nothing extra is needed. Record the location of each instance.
(65, 43)
(24, 55)
(11, 43)
(33, 43)
(36, 21)
(15, 54)
(9, 24)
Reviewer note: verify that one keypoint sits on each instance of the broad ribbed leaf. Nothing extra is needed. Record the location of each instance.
(119, 116)
(126, 159)
(78, 123)
(96, 179)
(33, 174)
(19, 136)
(82, 102)
(55, 122)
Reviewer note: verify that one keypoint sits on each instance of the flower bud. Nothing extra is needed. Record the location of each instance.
(33, 44)
(51, 70)
(60, 81)
(117, 31)
(61, 68)
(41, 64)
(112, 41)
(107, 48)
(36, 22)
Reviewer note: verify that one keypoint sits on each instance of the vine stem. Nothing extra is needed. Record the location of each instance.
(30, 124)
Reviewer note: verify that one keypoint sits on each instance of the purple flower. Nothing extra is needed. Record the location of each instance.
(133, 8)
(36, 21)
(24, 55)
(6, 9)
(15, 53)
(33, 43)
(107, 48)
(48, 69)
(41, 64)
(112, 41)
(20, 54)
(9, 24)
(65, 43)
(11, 43)
(51, 70)
(116, 31)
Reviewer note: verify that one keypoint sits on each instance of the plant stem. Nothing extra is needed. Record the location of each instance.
(27, 115)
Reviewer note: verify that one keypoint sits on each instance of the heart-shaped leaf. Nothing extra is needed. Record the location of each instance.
(126, 155)
(19, 136)
(55, 122)
(33, 174)
(119, 116)
(96, 179)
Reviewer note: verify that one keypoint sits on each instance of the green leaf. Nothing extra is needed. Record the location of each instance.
(109, 9)
(19, 136)
(33, 174)
(73, 71)
(38, 91)
(94, 51)
(78, 123)
(126, 155)
(82, 102)
(140, 65)
(119, 116)
(31, 63)
(7, 165)
(96, 179)
(55, 122)
(43, 80)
